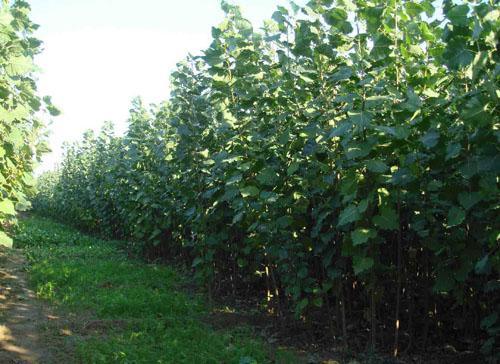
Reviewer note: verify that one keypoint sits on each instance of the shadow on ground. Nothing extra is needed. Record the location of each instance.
(21, 316)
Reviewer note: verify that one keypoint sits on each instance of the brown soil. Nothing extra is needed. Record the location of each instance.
(22, 317)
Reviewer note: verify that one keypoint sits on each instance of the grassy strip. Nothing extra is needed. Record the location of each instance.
(128, 311)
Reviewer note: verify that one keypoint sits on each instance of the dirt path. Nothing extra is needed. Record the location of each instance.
(22, 316)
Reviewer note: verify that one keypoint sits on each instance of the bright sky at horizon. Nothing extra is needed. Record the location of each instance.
(100, 54)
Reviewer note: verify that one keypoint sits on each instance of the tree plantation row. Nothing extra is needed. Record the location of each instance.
(340, 164)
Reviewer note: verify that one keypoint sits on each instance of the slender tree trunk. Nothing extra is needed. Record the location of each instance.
(398, 284)
(373, 337)
(427, 303)
(342, 308)
(329, 312)
(410, 317)
(268, 289)
(276, 291)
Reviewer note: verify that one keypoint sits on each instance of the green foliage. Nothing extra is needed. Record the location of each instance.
(158, 322)
(5, 240)
(21, 132)
(300, 156)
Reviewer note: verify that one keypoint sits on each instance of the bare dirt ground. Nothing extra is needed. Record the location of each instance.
(22, 316)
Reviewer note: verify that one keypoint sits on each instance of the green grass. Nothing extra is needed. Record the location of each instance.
(144, 315)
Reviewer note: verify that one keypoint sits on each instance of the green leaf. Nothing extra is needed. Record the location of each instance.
(238, 217)
(413, 102)
(241, 262)
(28, 179)
(284, 221)
(247, 360)
(376, 166)
(318, 302)
(469, 199)
(53, 111)
(278, 17)
(204, 153)
(5, 240)
(15, 138)
(268, 177)
(453, 150)
(302, 272)
(340, 129)
(302, 305)
(458, 15)
(386, 219)
(381, 47)
(488, 346)
(475, 111)
(483, 266)
(244, 26)
(401, 177)
(413, 9)
(343, 73)
(249, 191)
(349, 184)
(358, 150)
(362, 264)
(292, 168)
(306, 79)
(197, 261)
(455, 216)
(7, 207)
(338, 18)
(430, 93)
(427, 32)
(360, 119)
(489, 321)
(19, 65)
(399, 132)
(428, 8)
(363, 205)
(362, 235)
(19, 113)
(5, 17)
(372, 102)
(469, 168)
(234, 179)
(229, 118)
(348, 215)
(456, 54)
(373, 16)
(430, 139)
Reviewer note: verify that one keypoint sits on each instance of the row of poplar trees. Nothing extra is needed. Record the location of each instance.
(341, 163)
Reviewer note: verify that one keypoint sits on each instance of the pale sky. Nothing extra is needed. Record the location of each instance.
(99, 54)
